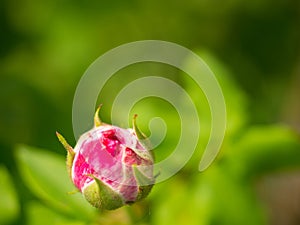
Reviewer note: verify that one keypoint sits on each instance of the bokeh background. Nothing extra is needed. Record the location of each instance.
(253, 47)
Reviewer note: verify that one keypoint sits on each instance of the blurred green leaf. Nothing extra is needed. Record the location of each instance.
(231, 201)
(46, 176)
(184, 202)
(38, 214)
(235, 99)
(9, 206)
(206, 198)
(263, 149)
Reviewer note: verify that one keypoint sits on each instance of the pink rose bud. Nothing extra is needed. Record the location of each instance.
(110, 165)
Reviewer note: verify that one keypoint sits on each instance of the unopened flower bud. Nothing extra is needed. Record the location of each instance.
(110, 165)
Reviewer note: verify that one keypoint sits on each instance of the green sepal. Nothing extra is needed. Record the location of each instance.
(70, 155)
(146, 155)
(137, 131)
(73, 192)
(142, 181)
(102, 196)
(144, 140)
(97, 120)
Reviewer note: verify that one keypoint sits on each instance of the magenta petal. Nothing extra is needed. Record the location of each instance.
(80, 172)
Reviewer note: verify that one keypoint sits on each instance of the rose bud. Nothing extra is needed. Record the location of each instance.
(110, 166)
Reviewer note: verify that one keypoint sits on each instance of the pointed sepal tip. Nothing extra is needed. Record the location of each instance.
(137, 131)
(97, 120)
(70, 155)
(141, 136)
(66, 145)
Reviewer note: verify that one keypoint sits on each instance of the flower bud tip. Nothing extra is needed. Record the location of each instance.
(137, 131)
(97, 120)
(71, 153)
(66, 145)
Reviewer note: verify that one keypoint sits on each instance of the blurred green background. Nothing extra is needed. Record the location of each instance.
(253, 47)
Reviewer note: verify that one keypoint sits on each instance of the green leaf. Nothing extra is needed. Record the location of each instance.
(38, 213)
(211, 197)
(264, 149)
(9, 207)
(229, 197)
(235, 99)
(46, 176)
(178, 201)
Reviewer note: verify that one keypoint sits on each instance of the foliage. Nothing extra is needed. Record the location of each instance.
(253, 49)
